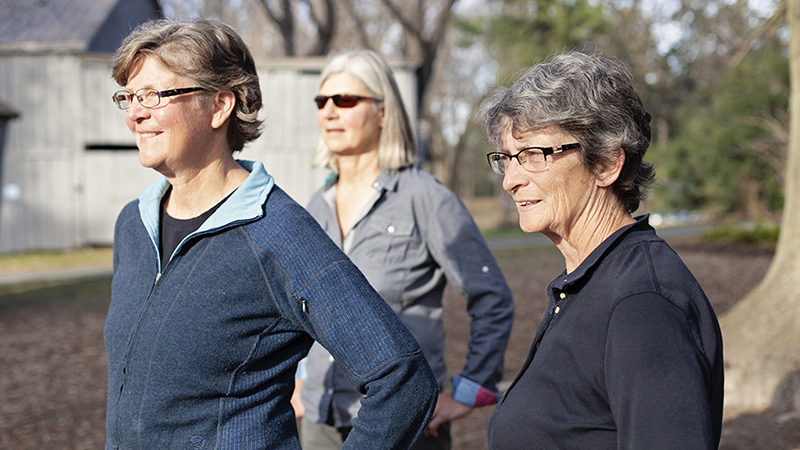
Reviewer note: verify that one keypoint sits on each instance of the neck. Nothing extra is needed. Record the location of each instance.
(596, 224)
(197, 191)
(361, 169)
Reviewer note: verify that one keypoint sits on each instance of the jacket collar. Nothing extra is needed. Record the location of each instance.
(245, 204)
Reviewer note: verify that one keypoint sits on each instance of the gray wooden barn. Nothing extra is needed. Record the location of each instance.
(71, 164)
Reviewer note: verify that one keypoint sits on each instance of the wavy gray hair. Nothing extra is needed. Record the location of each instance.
(589, 96)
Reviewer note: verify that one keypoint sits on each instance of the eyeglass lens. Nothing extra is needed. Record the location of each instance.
(532, 160)
(340, 100)
(148, 98)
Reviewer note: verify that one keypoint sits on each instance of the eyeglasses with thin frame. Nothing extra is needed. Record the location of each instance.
(341, 100)
(532, 159)
(149, 98)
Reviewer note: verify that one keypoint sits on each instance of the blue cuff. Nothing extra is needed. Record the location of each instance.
(301, 373)
(471, 393)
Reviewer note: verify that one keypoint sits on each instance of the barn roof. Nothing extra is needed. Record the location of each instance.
(67, 25)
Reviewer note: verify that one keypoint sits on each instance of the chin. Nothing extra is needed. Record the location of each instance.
(528, 228)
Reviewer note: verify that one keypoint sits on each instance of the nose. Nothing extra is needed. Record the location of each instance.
(136, 112)
(329, 110)
(514, 177)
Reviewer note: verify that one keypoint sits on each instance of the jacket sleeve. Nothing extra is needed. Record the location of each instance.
(657, 377)
(377, 354)
(469, 266)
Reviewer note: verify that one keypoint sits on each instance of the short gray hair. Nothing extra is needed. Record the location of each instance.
(396, 147)
(210, 53)
(589, 96)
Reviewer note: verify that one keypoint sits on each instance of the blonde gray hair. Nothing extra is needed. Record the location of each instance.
(396, 146)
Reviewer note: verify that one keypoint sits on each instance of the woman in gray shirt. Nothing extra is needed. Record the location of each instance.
(409, 235)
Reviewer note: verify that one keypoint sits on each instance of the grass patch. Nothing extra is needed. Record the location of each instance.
(730, 232)
(40, 261)
(510, 254)
(502, 232)
(78, 295)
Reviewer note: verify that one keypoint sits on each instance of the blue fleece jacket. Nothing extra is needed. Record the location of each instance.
(202, 355)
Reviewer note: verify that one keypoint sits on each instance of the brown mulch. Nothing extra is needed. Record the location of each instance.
(53, 368)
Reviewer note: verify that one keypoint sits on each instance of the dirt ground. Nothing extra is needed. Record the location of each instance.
(53, 368)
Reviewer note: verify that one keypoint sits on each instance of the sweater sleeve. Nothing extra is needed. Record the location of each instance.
(319, 290)
(657, 377)
(469, 266)
(377, 354)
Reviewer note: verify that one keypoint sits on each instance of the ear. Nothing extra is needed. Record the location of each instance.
(608, 174)
(224, 103)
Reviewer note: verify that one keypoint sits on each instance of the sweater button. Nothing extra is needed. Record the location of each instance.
(563, 296)
(558, 309)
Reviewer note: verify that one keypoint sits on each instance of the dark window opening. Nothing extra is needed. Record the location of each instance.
(111, 147)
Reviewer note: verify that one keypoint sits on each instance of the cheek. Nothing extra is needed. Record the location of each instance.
(129, 121)
(320, 119)
(571, 195)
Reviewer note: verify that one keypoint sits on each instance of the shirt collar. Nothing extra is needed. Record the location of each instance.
(387, 180)
(594, 258)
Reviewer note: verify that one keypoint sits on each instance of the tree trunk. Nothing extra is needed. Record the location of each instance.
(762, 332)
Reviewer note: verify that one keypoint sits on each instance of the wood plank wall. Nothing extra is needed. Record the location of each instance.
(70, 196)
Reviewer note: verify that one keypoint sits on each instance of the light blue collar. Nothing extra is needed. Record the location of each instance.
(245, 204)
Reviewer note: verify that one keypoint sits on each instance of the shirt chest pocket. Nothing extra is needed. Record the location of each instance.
(390, 239)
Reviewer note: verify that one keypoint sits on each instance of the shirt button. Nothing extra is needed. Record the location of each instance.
(558, 309)
(485, 269)
(391, 229)
(563, 296)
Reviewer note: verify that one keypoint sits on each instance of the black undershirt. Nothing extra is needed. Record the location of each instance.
(173, 230)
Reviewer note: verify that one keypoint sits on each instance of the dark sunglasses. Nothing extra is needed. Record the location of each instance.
(340, 100)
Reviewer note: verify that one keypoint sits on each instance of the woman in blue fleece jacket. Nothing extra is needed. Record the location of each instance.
(629, 352)
(222, 282)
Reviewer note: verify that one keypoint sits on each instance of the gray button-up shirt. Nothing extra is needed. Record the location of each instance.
(412, 238)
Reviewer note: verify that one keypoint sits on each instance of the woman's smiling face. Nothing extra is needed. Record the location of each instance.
(174, 134)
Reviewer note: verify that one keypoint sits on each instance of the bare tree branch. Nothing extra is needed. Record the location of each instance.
(326, 24)
(429, 47)
(360, 25)
(774, 21)
(285, 23)
(414, 29)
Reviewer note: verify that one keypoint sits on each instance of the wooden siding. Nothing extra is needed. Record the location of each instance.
(71, 196)
(40, 152)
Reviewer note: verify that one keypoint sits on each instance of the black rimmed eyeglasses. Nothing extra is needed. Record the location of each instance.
(532, 159)
(149, 98)
(341, 100)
